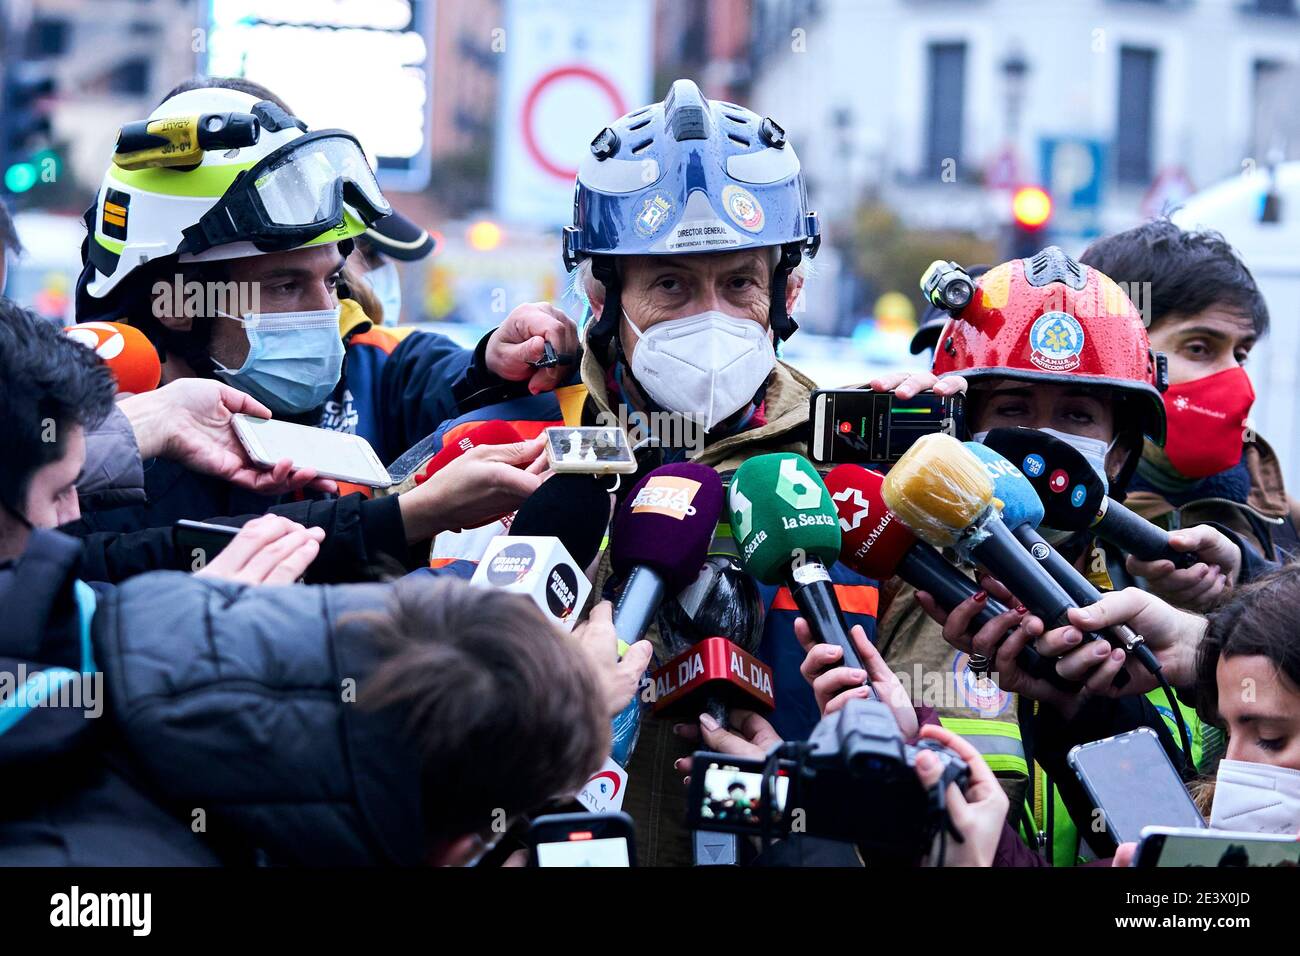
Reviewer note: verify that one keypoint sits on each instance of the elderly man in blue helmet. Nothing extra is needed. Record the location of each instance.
(689, 241)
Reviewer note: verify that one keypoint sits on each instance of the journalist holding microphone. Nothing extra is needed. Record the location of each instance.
(240, 718)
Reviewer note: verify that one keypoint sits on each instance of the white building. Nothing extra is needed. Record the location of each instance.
(882, 96)
(917, 99)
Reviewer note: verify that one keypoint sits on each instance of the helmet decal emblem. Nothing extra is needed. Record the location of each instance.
(979, 691)
(654, 213)
(1056, 339)
(117, 206)
(743, 208)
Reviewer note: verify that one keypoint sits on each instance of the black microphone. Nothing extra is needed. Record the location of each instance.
(942, 492)
(554, 538)
(1074, 498)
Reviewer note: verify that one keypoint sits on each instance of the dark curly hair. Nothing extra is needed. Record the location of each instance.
(1189, 271)
(48, 383)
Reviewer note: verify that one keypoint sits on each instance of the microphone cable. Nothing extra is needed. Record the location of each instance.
(1153, 667)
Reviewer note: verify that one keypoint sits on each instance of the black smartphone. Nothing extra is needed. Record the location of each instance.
(1169, 846)
(727, 794)
(1132, 781)
(582, 839)
(875, 428)
(197, 542)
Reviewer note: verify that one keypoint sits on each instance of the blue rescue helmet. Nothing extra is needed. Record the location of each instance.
(689, 175)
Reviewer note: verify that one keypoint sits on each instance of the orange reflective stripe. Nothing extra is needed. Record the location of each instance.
(384, 339)
(853, 598)
(442, 562)
(348, 488)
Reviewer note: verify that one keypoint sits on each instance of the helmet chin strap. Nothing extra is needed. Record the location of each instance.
(778, 317)
(605, 271)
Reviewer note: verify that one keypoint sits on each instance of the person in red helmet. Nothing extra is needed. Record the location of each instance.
(1204, 309)
(1044, 343)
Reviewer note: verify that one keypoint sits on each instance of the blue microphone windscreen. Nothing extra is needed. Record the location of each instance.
(1020, 502)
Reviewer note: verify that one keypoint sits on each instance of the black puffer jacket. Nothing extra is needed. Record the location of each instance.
(225, 711)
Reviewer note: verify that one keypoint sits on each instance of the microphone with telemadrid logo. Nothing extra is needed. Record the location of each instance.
(660, 539)
(787, 531)
(127, 352)
(878, 545)
(554, 537)
(1074, 498)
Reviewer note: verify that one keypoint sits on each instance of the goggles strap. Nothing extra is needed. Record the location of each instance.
(274, 119)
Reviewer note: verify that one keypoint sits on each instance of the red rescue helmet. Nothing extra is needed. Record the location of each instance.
(1049, 318)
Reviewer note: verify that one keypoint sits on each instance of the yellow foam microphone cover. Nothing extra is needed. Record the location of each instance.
(938, 489)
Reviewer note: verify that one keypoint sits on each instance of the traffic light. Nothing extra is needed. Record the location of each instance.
(1031, 215)
(24, 124)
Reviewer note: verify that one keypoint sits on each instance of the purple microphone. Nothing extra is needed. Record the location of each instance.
(660, 539)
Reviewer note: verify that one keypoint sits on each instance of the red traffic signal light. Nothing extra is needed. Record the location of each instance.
(1031, 207)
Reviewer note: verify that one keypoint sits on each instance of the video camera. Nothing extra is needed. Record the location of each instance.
(854, 779)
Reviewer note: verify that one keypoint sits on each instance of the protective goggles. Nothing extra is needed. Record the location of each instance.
(293, 195)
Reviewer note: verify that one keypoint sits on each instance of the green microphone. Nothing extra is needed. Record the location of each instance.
(787, 531)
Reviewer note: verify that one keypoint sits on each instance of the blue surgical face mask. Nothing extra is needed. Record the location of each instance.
(386, 284)
(294, 359)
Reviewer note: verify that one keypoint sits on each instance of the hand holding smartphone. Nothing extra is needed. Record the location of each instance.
(1132, 781)
(332, 454)
(862, 427)
(587, 450)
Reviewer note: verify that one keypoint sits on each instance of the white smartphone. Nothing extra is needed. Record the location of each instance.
(593, 451)
(333, 454)
(1174, 846)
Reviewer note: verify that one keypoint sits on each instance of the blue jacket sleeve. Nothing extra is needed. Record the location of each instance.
(415, 389)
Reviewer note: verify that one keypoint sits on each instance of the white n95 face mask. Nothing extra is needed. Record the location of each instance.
(708, 366)
(1256, 797)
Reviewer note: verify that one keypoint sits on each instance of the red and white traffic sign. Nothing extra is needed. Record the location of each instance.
(569, 69)
(562, 167)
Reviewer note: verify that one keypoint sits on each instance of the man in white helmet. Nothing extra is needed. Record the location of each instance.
(225, 248)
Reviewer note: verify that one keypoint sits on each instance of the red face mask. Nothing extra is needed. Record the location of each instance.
(1206, 421)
